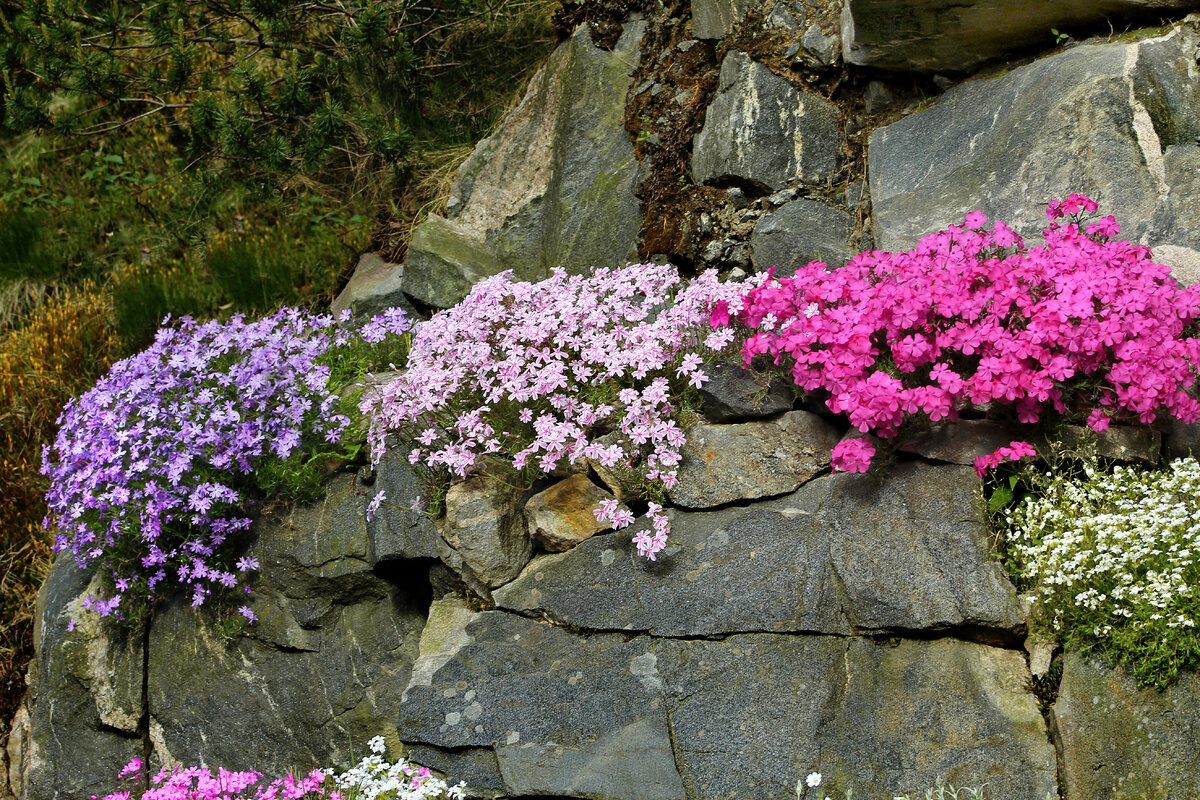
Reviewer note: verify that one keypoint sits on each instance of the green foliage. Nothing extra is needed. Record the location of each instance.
(267, 90)
(20, 246)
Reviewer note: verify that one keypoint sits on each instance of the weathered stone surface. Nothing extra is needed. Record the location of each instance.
(714, 19)
(397, 530)
(1180, 439)
(373, 288)
(826, 49)
(963, 441)
(85, 691)
(321, 671)
(564, 715)
(484, 523)
(879, 720)
(744, 461)
(799, 232)
(733, 393)
(928, 520)
(554, 186)
(759, 130)
(1104, 120)
(1120, 442)
(563, 515)
(959, 442)
(1118, 741)
(842, 554)
(957, 36)
(444, 262)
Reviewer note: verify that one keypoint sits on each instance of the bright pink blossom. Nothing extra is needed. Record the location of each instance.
(853, 455)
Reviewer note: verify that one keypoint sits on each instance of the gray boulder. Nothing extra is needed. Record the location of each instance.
(875, 719)
(1104, 120)
(78, 725)
(760, 130)
(554, 186)
(373, 288)
(491, 680)
(322, 670)
(1118, 741)
(1120, 442)
(843, 554)
(398, 531)
(825, 49)
(485, 524)
(799, 232)
(959, 442)
(733, 394)
(956, 36)
(748, 460)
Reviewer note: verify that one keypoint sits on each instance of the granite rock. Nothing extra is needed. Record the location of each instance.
(760, 131)
(1114, 121)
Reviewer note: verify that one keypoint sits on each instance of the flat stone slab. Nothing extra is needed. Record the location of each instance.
(760, 130)
(565, 715)
(1116, 122)
(957, 36)
(748, 460)
(959, 442)
(843, 554)
(1119, 741)
(752, 714)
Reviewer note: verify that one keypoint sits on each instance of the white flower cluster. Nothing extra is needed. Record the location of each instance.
(1117, 549)
(376, 779)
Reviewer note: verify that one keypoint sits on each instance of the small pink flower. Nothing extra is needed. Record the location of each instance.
(852, 455)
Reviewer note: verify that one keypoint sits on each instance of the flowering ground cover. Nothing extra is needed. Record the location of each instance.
(373, 778)
(1082, 323)
(520, 378)
(1112, 560)
(152, 468)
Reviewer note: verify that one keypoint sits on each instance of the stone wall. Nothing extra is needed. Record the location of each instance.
(802, 621)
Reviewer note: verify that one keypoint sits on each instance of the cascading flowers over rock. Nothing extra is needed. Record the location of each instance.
(150, 468)
(526, 377)
(972, 317)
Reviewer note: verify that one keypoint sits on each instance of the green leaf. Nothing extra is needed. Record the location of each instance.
(114, 159)
(1001, 497)
(32, 181)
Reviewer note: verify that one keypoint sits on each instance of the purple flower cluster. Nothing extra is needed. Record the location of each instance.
(527, 374)
(149, 469)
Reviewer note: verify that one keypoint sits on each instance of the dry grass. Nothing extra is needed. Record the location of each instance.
(61, 350)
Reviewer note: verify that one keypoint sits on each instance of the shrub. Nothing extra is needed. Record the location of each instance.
(151, 468)
(1113, 561)
(522, 377)
(973, 317)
